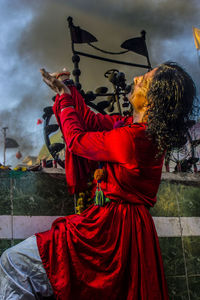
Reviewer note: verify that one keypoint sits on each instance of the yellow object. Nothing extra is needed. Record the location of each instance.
(20, 169)
(84, 199)
(99, 174)
(81, 194)
(4, 167)
(196, 34)
(80, 201)
(79, 207)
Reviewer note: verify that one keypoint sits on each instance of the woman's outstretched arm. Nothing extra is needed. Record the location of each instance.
(114, 145)
(90, 120)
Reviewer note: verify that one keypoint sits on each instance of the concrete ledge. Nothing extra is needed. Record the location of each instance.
(169, 176)
(186, 178)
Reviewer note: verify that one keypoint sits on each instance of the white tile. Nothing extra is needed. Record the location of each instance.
(5, 227)
(191, 226)
(167, 226)
(25, 226)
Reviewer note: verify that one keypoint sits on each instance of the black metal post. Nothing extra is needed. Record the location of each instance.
(4, 150)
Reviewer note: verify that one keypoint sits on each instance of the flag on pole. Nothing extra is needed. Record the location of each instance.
(196, 34)
(11, 143)
(39, 121)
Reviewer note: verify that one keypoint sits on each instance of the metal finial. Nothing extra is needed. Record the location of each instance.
(143, 34)
(70, 21)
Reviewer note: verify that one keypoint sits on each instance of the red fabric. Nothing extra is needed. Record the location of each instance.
(77, 168)
(109, 252)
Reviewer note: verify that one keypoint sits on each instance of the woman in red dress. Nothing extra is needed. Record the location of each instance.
(112, 251)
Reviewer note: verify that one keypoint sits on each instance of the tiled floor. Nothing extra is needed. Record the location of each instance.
(175, 269)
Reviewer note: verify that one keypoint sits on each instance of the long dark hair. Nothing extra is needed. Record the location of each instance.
(171, 98)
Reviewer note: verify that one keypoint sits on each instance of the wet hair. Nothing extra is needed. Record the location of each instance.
(171, 97)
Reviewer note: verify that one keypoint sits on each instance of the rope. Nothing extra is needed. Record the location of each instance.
(108, 52)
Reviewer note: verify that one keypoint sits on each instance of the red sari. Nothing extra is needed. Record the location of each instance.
(110, 252)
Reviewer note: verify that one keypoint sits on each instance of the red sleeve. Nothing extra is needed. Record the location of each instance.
(91, 120)
(115, 145)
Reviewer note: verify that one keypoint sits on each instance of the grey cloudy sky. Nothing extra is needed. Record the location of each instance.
(35, 34)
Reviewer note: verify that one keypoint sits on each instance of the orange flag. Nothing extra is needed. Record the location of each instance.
(196, 34)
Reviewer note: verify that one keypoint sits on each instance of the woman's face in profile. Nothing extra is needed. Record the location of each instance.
(140, 88)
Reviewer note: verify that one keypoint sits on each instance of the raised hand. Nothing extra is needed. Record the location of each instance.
(55, 84)
(61, 75)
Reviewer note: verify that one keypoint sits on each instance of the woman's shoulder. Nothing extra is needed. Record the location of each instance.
(136, 128)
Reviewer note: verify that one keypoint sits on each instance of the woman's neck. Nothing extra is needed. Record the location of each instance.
(138, 116)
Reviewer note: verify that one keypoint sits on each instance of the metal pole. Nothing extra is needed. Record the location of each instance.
(117, 99)
(4, 150)
(111, 60)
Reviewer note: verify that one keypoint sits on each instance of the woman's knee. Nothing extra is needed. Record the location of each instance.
(6, 256)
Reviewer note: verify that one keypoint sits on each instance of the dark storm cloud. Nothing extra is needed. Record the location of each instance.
(160, 16)
(45, 42)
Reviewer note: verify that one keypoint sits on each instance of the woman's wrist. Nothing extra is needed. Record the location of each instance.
(64, 90)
